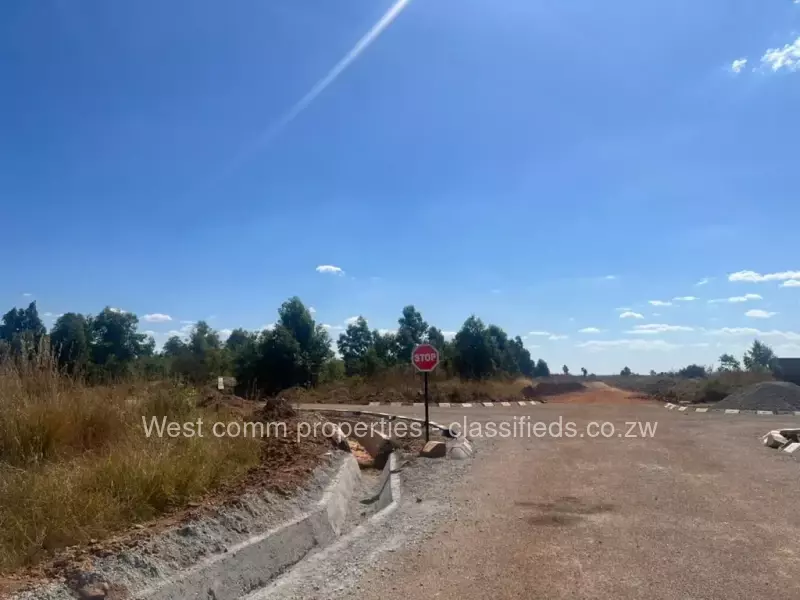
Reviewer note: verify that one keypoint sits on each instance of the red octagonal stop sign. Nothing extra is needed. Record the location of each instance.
(425, 358)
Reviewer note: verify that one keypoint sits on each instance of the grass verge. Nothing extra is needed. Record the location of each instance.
(75, 463)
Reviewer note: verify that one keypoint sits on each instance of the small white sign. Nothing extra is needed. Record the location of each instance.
(220, 383)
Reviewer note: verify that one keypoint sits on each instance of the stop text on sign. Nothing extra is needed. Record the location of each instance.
(425, 358)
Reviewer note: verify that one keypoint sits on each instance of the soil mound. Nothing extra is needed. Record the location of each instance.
(769, 395)
(276, 409)
(552, 388)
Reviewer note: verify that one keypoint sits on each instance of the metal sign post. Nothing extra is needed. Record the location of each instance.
(425, 358)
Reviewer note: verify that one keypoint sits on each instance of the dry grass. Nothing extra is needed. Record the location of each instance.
(75, 463)
(405, 385)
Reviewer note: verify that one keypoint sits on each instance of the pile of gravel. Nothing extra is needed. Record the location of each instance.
(768, 395)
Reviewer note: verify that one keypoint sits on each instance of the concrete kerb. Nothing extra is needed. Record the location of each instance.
(729, 411)
(248, 565)
(243, 567)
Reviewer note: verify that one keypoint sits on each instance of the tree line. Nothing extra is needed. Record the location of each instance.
(295, 352)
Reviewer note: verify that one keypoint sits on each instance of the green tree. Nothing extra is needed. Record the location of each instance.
(760, 357)
(542, 370)
(411, 332)
(653, 373)
(517, 359)
(626, 372)
(385, 347)
(240, 340)
(584, 371)
(115, 343)
(312, 339)
(565, 368)
(22, 330)
(435, 337)
(293, 353)
(473, 351)
(355, 345)
(692, 371)
(70, 341)
(728, 362)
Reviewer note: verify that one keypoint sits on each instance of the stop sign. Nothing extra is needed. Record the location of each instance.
(425, 358)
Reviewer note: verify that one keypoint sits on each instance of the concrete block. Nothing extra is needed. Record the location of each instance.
(374, 403)
(731, 411)
(683, 408)
(467, 405)
(670, 406)
(434, 450)
(791, 448)
(444, 404)
(522, 403)
(395, 404)
(764, 412)
(701, 410)
(774, 439)
(488, 404)
(459, 453)
(505, 404)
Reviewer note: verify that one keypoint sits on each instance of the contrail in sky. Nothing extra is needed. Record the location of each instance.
(365, 42)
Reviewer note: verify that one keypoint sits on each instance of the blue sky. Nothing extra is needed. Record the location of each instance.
(542, 164)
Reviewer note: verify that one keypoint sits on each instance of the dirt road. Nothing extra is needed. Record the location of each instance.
(697, 510)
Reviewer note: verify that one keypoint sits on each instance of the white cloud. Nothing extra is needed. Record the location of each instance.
(150, 332)
(48, 314)
(791, 283)
(116, 310)
(787, 57)
(738, 65)
(268, 327)
(654, 328)
(557, 337)
(448, 335)
(392, 331)
(753, 332)
(329, 269)
(332, 327)
(703, 281)
(157, 318)
(735, 299)
(623, 309)
(27, 294)
(187, 322)
(754, 277)
(224, 334)
(631, 315)
(757, 313)
(312, 310)
(636, 345)
(351, 320)
(544, 333)
(685, 298)
(660, 303)
(590, 330)
(532, 346)
(610, 277)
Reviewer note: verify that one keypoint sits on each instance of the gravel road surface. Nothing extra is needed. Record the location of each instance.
(698, 510)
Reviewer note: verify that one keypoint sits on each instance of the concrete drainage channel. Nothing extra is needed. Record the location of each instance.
(230, 565)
